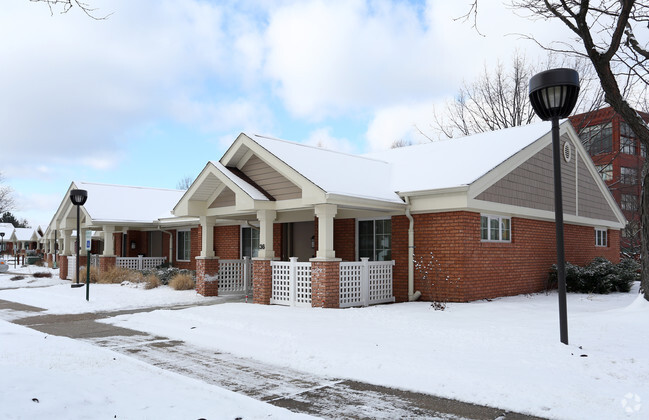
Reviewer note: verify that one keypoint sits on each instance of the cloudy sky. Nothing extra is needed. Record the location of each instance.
(149, 95)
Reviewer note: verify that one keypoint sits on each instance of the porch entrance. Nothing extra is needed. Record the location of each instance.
(298, 240)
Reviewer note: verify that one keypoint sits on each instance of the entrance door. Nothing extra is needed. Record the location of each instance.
(302, 244)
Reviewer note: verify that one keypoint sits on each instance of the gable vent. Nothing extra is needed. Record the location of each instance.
(567, 151)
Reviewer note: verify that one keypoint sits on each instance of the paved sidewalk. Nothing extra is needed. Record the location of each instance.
(297, 391)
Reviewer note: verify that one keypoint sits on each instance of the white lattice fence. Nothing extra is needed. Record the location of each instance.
(380, 282)
(72, 267)
(139, 263)
(350, 284)
(291, 283)
(281, 283)
(303, 283)
(365, 283)
(234, 276)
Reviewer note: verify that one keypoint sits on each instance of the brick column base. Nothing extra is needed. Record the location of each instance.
(262, 281)
(106, 263)
(207, 276)
(63, 267)
(325, 284)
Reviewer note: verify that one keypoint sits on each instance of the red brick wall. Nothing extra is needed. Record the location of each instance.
(117, 238)
(345, 239)
(463, 268)
(226, 242)
(141, 243)
(195, 251)
(261, 281)
(325, 284)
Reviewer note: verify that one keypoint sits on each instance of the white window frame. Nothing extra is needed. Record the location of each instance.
(601, 237)
(188, 231)
(500, 219)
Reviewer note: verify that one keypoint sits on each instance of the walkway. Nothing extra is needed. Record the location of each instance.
(297, 391)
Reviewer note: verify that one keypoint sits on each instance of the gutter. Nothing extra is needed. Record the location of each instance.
(412, 295)
(171, 243)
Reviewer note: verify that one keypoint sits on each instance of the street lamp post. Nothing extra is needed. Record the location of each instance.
(553, 95)
(2, 247)
(78, 198)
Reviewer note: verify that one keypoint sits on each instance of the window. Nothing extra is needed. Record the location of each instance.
(628, 176)
(183, 245)
(597, 138)
(249, 242)
(605, 171)
(627, 139)
(375, 239)
(600, 237)
(495, 228)
(629, 202)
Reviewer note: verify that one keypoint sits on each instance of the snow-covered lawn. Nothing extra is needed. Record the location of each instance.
(505, 353)
(62, 299)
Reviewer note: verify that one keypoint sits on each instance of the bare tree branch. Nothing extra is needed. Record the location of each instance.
(65, 5)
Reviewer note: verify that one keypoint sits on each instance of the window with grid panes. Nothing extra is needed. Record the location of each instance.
(375, 239)
(495, 228)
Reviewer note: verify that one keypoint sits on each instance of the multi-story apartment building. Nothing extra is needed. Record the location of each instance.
(619, 156)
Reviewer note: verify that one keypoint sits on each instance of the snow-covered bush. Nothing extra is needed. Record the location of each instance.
(166, 273)
(600, 276)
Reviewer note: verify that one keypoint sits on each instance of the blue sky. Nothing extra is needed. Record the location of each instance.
(149, 95)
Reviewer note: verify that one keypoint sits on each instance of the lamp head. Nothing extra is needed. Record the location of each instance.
(78, 197)
(553, 93)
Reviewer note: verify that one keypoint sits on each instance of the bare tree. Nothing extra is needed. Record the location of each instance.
(65, 5)
(185, 182)
(605, 34)
(499, 98)
(6, 197)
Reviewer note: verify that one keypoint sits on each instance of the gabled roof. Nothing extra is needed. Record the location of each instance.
(334, 172)
(120, 203)
(456, 162)
(7, 229)
(25, 235)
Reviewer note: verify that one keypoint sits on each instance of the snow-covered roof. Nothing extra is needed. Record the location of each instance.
(334, 172)
(25, 234)
(119, 203)
(456, 162)
(7, 229)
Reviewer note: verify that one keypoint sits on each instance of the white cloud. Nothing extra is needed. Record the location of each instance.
(328, 58)
(322, 137)
(399, 122)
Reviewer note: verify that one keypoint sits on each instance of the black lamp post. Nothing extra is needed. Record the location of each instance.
(553, 95)
(78, 198)
(2, 247)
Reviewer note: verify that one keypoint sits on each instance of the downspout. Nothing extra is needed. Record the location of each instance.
(412, 295)
(171, 245)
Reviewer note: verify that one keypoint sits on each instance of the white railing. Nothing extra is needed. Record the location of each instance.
(235, 276)
(140, 262)
(365, 283)
(72, 267)
(94, 260)
(291, 283)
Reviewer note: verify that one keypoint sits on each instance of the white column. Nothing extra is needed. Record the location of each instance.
(266, 219)
(109, 241)
(326, 214)
(52, 246)
(207, 236)
(67, 243)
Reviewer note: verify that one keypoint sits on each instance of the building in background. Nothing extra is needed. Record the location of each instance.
(618, 156)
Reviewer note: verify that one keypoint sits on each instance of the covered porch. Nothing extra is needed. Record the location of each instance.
(307, 244)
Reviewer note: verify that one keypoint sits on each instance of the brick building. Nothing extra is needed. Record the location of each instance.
(466, 219)
(618, 156)
(458, 220)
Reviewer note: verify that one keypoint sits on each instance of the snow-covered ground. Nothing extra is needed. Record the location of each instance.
(505, 353)
(62, 299)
